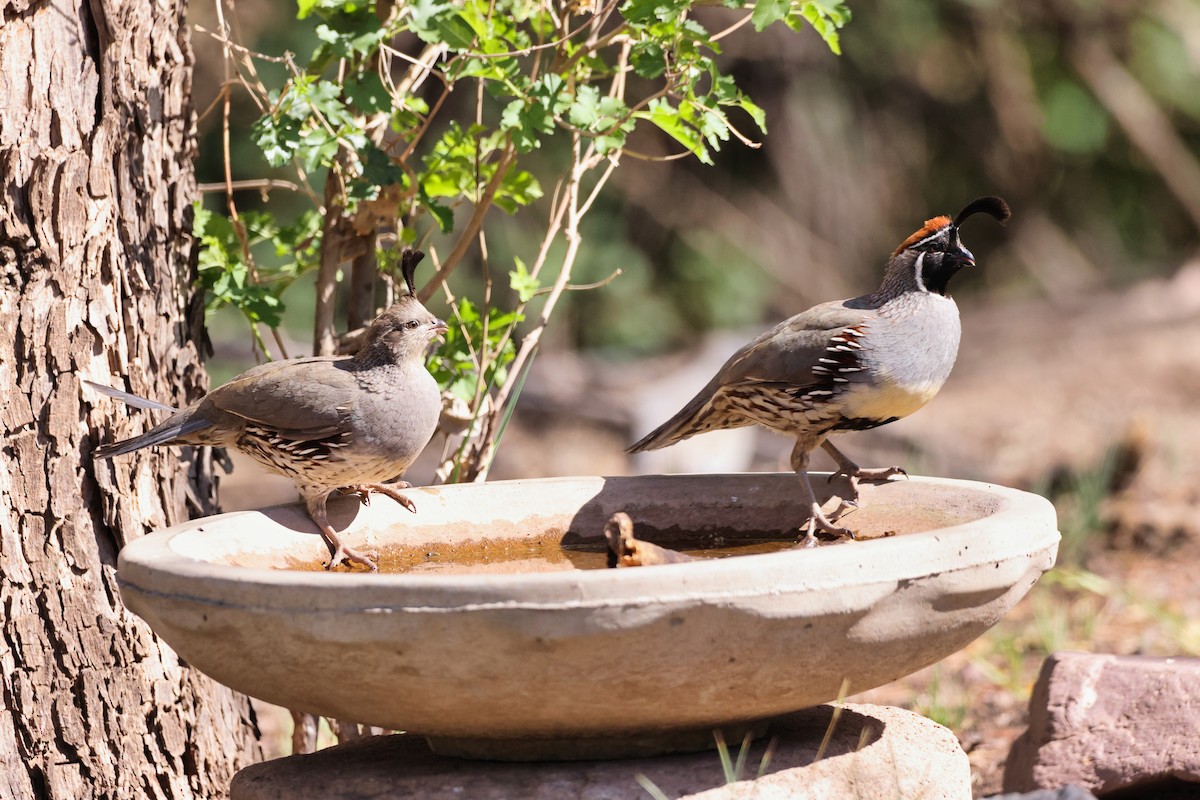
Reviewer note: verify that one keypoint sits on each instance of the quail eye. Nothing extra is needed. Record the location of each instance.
(411, 324)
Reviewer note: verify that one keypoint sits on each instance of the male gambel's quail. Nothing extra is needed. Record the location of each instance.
(330, 423)
(848, 365)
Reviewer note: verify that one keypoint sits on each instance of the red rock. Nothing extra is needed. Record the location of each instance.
(1110, 722)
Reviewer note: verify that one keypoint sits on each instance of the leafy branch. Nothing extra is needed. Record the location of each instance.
(408, 113)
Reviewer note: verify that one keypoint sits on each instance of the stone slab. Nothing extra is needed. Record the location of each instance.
(1109, 722)
(875, 752)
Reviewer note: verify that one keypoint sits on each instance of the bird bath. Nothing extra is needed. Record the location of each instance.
(529, 658)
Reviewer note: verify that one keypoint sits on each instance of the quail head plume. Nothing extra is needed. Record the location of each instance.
(846, 365)
(330, 423)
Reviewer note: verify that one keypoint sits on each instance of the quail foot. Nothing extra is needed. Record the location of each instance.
(848, 365)
(330, 423)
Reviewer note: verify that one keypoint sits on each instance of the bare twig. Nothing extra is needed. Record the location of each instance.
(473, 225)
(584, 287)
(716, 37)
(262, 184)
(583, 161)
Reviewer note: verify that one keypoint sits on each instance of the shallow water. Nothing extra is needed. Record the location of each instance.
(533, 555)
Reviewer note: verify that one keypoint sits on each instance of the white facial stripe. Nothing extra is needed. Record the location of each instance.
(917, 271)
(930, 237)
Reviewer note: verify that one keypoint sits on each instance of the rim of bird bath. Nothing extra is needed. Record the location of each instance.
(589, 663)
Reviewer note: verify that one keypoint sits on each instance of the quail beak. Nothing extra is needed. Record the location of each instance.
(964, 257)
(438, 327)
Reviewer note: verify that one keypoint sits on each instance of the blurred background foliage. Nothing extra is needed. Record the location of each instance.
(1084, 114)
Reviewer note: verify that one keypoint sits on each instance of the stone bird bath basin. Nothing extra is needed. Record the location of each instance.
(531, 658)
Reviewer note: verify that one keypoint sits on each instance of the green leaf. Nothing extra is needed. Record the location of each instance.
(524, 284)
(440, 22)
(649, 60)
(825, 18)
(317, 148)
(642, 11)
(348, 30)
(607, 116)
(529, 119)
(367, 92)
(518, 188)
(454, 364)
(714, 127)
(670, 120)
(378, 168)
(525, 122)
(277, 138)
(757, 114)
(767, 12)
(442, 214)
(224, 272)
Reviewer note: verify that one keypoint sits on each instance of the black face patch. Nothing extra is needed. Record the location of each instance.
(941, 257)
(937, 269)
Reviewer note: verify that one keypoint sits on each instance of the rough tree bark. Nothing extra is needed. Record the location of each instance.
(96, 182)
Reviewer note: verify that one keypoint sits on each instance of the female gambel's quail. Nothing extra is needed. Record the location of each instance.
(331, 423)
(849, 365)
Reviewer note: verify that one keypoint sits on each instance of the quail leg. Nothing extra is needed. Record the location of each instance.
(316, 510)
(392, 490)
(364, 490)
(854, 473)
(817, 521)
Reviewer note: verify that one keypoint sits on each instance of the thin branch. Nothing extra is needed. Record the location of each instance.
(262, 184)
(625, 151)
(473, 225)
(722, 34)
(608, 171)
(584, 287)
(582, 162)
(227, 42)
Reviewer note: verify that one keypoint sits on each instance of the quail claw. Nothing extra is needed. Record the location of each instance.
(392, 490)
(366, 558)
(364, 495)
(844, 507)
(839, 472)
(881, 473)
(819, 523)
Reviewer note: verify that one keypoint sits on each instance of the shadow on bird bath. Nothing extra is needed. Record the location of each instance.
(748, 510)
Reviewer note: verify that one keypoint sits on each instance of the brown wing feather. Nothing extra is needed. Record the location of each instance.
(786, 355)
(291, 398)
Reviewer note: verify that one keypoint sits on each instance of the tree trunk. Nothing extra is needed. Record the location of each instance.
(96, 184)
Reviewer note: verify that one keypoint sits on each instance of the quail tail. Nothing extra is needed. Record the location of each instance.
(166, 432)
(698, 416)
(129, 399)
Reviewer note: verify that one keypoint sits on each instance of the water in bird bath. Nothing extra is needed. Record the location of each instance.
(547, 554)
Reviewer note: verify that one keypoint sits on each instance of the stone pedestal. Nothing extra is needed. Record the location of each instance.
(873, 752)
